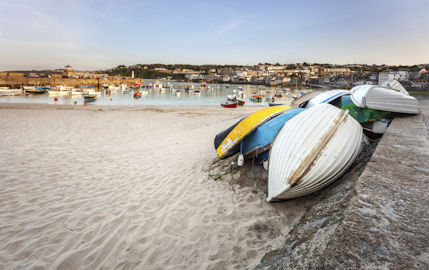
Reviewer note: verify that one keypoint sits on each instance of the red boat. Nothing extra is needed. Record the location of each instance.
(229, 104)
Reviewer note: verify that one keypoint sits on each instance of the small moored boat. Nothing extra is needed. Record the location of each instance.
(275, 104)
(157, 84)
(137, 94)
(34, 90)
(255, 98)
(89, 97)
(5, 91)
(229, 104)
(231, 97)
(262, 93)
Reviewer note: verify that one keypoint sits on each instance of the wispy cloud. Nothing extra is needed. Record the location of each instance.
(230, 26)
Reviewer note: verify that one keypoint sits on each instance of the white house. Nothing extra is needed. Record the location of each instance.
(400, 75)
(241, 73)
(226, 78)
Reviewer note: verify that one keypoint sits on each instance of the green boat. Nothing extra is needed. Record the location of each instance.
(362, 115)
(253, 99)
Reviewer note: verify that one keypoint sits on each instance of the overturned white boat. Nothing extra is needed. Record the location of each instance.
(384, 99)
(394, 85)
(327, 97)
(312, 150)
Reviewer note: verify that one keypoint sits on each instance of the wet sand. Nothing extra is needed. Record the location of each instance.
(127, 188)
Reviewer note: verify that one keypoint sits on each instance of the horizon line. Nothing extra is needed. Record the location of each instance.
(282, 64)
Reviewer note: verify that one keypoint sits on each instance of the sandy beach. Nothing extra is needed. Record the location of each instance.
(127, 188)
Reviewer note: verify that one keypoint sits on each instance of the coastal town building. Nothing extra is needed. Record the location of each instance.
(339, 76)
(68, 71)
(400, 75)
(335, 71)
(417, 73)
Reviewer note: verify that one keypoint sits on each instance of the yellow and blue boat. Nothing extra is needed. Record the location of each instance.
(236, 133)
(257, 145)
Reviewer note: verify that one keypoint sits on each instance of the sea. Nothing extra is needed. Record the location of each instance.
(211, 95)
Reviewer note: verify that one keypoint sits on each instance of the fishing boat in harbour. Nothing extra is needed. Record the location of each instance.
(175, 91)
(6, 91)
(76, 92)
(231, 97)
(56, 93)
(189, 87)
(123, 87)
(60, 90)
(229, 104)
(312, 150)
(137, 94)
(262, 93)
(240, 101)
(255, 98)
(89, 97)
(35, 90)
(157, 84)
(114, 88)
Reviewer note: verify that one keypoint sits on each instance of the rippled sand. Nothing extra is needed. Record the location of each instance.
(126, 188)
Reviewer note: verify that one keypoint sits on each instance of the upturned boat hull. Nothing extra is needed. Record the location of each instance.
(311, 151)
(258, 143)
(245, 127)
(327, 97)
(384, 99)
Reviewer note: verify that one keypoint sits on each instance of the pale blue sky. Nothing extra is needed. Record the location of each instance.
(101, 34)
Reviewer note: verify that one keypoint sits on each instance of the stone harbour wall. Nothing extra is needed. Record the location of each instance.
(22, 81)
(375, 219)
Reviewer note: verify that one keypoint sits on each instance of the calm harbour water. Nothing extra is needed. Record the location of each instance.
(212, 95)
